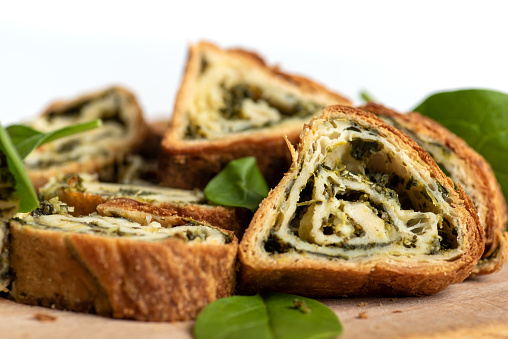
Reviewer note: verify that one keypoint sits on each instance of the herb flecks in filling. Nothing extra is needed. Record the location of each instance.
(110, 107)
(355, 196)
(119, 227)
(224, 101)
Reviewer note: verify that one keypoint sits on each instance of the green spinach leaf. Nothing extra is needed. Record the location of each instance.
(23, 185)
(267, 316)
(366, 96)
(27, 139)
(478, 116)
(239, 184)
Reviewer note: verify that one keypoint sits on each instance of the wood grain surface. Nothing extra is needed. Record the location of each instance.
(477, 308)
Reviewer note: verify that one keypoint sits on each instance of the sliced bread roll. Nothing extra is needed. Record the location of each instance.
(231, 105)
(84, 193)
(118, 268)
(364, 210)
(96, 151)
(466, 167)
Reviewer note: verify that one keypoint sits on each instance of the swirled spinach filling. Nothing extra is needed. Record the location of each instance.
(451, 165)
(112, 107)
(88, 184)
(356, 193)
(120, 227)
(228, 98)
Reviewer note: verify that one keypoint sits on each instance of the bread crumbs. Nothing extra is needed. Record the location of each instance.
(362, 315)
(44, 317)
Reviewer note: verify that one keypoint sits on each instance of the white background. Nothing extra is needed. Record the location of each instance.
(399, 51)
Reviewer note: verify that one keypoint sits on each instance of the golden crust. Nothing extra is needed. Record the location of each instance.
(85, 203)
(490, 201)
(192, 163)
(329, 278)
(195, 165)
(141, 213)
(133, 137)
(171, 214)
(152, 281)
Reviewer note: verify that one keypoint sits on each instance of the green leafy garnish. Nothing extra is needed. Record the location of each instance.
(27, 139)
(17, 141)
(239, 184)
(23, 185)
(267, 316)
(366, 96)
(478, 116)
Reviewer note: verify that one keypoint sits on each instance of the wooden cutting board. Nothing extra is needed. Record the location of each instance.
(477, 308)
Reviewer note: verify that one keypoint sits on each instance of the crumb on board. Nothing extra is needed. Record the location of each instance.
(44, 317)
(397, 311)
(393, 299)
(362, 304)
(362, 315)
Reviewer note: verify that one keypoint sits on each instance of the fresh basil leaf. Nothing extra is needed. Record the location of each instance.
(478, 116)
(23, 185)
(27, 139)
(239, 184)
(269, 316)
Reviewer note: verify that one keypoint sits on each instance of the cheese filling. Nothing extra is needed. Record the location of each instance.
(87, 183)
(119, 227)
(449, 162)
(228, 98)
(358, 195)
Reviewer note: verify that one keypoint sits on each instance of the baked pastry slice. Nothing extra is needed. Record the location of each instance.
(118, 268)
(230, 105)
(364, 210)
(466, 167)
(96, 151)
(84, 193)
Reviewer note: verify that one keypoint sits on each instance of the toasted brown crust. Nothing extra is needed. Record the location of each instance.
(103, 166)
(195, 165)
(171, 214)
(192, 163)
(337, 277)
(139, 212)
(153, 281)
(492, 203)
(84, 203)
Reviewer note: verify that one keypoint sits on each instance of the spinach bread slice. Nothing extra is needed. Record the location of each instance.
(99, 151)
(231, 104)
(363, 210)
(119, 268)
